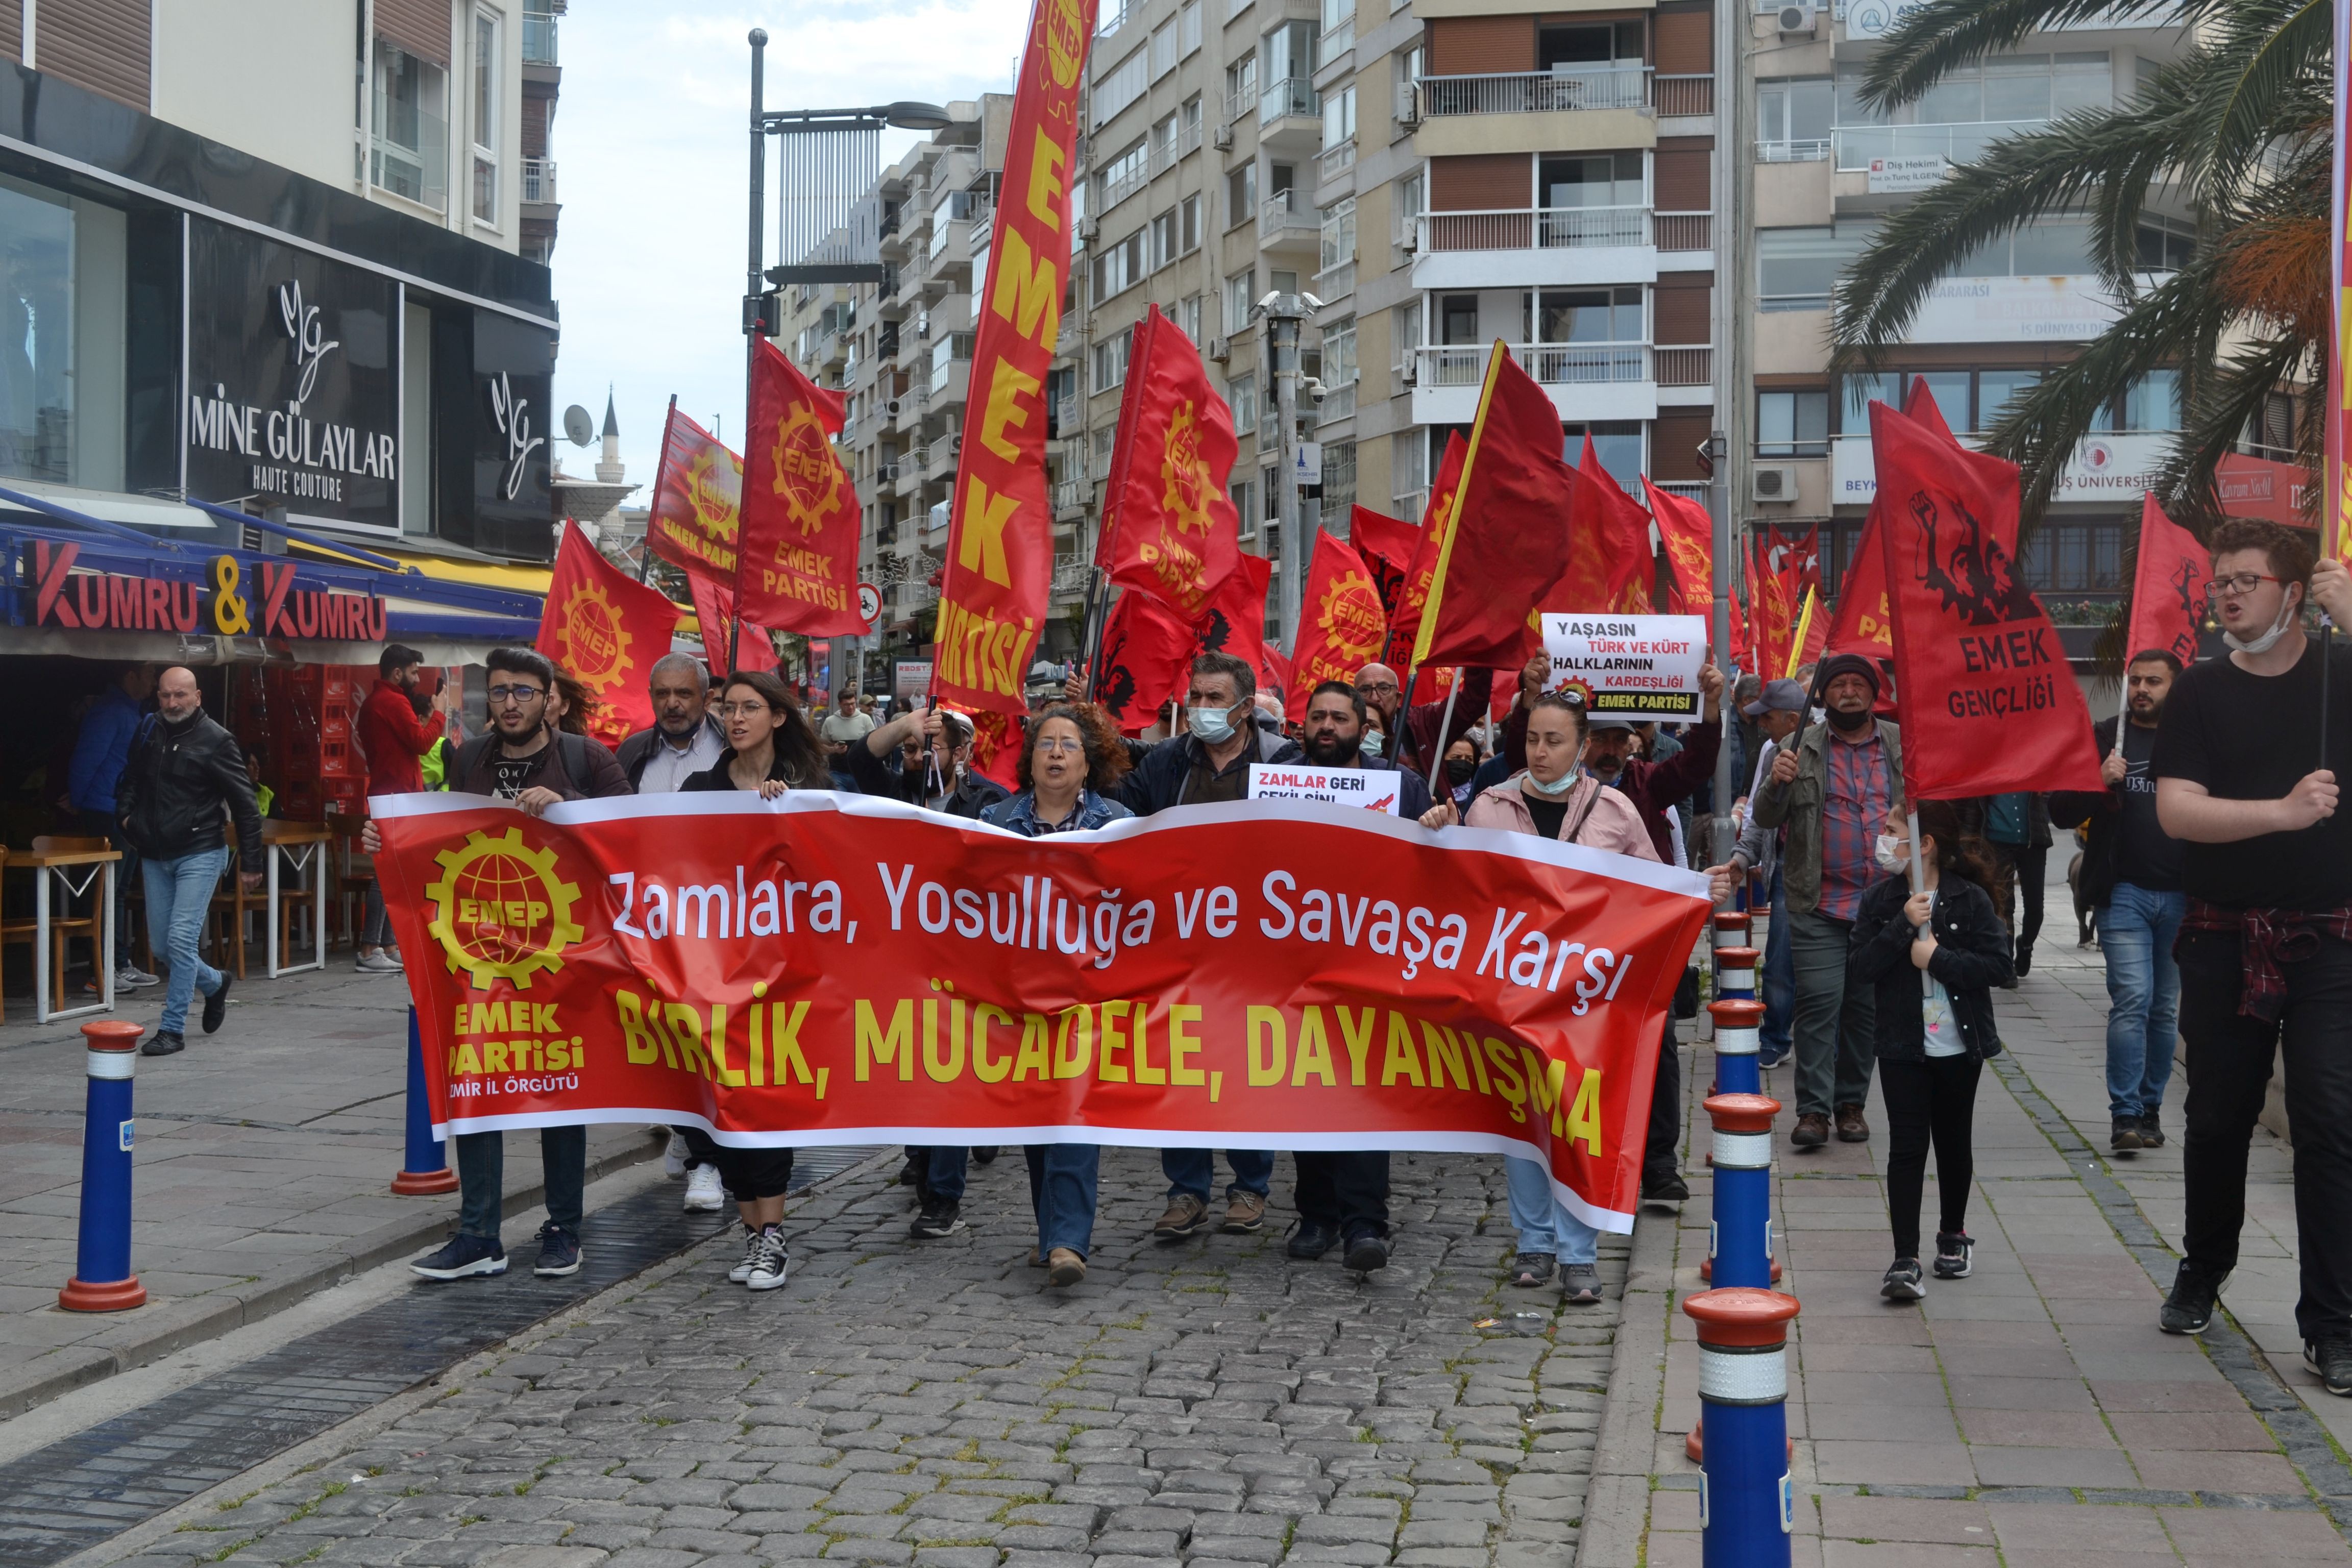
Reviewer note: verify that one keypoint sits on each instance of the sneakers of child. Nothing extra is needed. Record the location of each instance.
(1903, 1281)
(1955, 1255)
(774, 1259)
(742, 1270)
(703, 1192)
(674, 1156)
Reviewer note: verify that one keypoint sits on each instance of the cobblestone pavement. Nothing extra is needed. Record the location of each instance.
(1210, 1400)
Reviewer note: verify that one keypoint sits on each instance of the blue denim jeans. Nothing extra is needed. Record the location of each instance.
(1780, 980)
(2136, 927)
(1542, 1224)
(1191, 1171)
(179, 894)
(945, 1174)
(1062, 1186)
(481, 1178)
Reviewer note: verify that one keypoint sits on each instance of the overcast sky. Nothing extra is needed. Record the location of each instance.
(650, 144)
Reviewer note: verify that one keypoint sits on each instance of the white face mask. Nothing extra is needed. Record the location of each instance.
(2269, 639)
(1371, 743)
(1214, 725)
(1560, 785)
(1892, 856)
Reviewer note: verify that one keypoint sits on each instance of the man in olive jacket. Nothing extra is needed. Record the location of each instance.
(1830, 790)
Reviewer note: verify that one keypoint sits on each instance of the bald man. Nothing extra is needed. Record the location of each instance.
(184, 778)
(1411, 738)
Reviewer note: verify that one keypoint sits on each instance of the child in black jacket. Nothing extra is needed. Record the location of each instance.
(1933, 1033)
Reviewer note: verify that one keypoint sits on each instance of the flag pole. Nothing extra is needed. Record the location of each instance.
(661, 474)
(1429, 766)
(1919, 875)
(753, 293)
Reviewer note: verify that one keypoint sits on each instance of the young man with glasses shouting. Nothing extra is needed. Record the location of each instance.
(2248, 752)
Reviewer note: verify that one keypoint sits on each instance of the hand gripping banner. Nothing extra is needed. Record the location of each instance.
(822, 969)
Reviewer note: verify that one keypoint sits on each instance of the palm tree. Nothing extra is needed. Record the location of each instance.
(2239, 126)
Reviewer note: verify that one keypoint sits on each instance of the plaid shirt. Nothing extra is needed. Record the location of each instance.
(2267, 939)
(1853, 810)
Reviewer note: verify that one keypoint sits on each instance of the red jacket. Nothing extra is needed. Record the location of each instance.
(393, 736)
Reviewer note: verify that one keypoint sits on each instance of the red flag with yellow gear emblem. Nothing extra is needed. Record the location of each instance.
(605, 630)
(1168, 527)
(797, 571)
(695, 521)
(1340, 622)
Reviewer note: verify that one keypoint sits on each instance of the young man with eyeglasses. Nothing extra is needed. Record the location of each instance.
(2246, 765)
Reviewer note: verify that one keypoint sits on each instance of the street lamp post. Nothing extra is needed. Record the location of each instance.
(1283, 315)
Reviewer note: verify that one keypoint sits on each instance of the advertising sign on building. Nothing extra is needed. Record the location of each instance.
(2102, 468)
(912, 678)
(1890, 176)
(2061, 309)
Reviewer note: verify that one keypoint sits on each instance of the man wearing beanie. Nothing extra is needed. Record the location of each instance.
(1830, 789)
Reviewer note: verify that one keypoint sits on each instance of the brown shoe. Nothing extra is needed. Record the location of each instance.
(1186, 1214)
(1852, 1128)
(1067, 1267)
(1812, 1130)
(1245, 1214)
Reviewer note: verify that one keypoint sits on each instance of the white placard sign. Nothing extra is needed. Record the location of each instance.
(1923, 173)
(1629, 667)
(1373, 789)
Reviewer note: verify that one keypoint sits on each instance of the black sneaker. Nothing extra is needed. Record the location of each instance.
(2126, 1135)
(2151, 1132)
(2191, 1305)
(1665, 1187)
(984, 1155)
(1367, 1252)
(1532, 1270)
(1955, 1253)
(559, 1252)
(1903, 1281)
(939, 1218)
(164, 1043)
(461, 1256)
(2332, 1360)
(1312, 1239)
(216, 1007)
(1579, 1284)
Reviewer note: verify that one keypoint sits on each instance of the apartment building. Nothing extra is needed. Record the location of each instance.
(1826, 170)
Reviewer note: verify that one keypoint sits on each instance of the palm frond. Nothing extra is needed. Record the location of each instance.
(2229, 398)
(1935, 40)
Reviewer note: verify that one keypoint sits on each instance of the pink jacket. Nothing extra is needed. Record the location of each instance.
(1613, 825)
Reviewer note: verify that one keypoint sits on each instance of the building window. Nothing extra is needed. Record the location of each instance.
(1240, 194)
(1119, 267)
(1337, 276)
(1240, 295)
(945, 354)
(1241, 86)
(1408, 207)
(2153, 403)
(1616, 442)
(1187, 317)
(1188, 226)
(408, 154)
(1796, 268)
(1163, 240)
(1409, 471)
(1582, 316)
(1339, 117)
(1122, 84)
(1163, 50)
(1243, 492)
(1793, 424)
(1339, 484)
(1124, 172)
(485, 118)
(61, 362)
(1241, 398)
(1188, 27)
(1106, 438)
(1110, 362)
(2075, 558)
(1970, 106)
(1458, 319)
(1340, 371)
(1792, 121)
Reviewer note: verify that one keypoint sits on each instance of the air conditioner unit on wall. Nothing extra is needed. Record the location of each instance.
(1223, 137)
(1409, 372)
(1408, 104)
(1220, 349)
(1800, 21)
(1088, 227)
(1776, 483)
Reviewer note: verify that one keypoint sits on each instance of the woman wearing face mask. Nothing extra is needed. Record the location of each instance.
(1462, 762)
(1932, 1036)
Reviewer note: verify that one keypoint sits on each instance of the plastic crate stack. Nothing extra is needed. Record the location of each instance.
(312, 717)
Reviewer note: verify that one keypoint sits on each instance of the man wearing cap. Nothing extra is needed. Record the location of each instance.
(1830, 790)
(1778, 711)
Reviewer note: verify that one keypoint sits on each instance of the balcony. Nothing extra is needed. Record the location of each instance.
(1333, 162)
(1792, 152)
(1287, 215)
(1123, 185)
(1537, 92)
(1541, 228)
(1166, 156)
(939, 461)
(1073, 573)
(1069, 496)
(1292, 98)
(1692, 366)
(1684, 95)
(538, 39)
(1683, 231)
(1586, 381)
(539, 180)
(1543, 247)
(1858, 147)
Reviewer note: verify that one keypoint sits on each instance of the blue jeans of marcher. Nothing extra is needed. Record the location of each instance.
(946, 1172)
(2136, 927)
(1062, 1186)
(482, 1170)
(1191, 1171)
(1780, 998)
(1542, 1224)
(179, 894)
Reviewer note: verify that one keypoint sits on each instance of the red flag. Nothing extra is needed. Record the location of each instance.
(695, 520)
(1994, 707)
(1608, 561)
(1147, 654)
(1386, 545)
(605, 630)
(714, 607)
(1688, 532)
(1000, 561)
(1234, 622)
(1501, 547)
(1273, 670)
(1862, 623)
(1783, 569)
(1339, 622)
(1412, 597)
(798, 571)
(2168, 588)
(1168, 526)
(1813, 635)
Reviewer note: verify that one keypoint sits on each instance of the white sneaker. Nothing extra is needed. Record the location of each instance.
(742, 1270)
(770, 1261)
(674, 1157)
(379, 962)
(138, 979)
(703, 1192)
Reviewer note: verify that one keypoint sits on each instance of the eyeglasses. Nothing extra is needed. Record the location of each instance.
(742, 710)
(1056, 745)
(517, 694)
(1377, 688)
(2234, 587)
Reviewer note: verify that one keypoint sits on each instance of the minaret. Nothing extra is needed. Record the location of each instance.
(608, 462)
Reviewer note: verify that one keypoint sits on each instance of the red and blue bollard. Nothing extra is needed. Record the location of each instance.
(1746, 1504)
(102, 1280)
(1738, 1037)
(425, 1168)
(1739, 1231)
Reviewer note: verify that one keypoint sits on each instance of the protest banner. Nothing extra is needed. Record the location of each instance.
(1369, 789)
(822, 969)
(1629, 667)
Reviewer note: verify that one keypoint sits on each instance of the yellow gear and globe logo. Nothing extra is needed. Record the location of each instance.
(807, 474)
(595, 644)
(1351, 616)
(714, 505)
(1065, 41)
(1187, 475)
(500, 912)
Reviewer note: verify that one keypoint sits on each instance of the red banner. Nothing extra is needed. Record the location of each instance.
(1000, 568)
(798, 565)
(605, 630)
(827, 970)
(1146, 661)
(714, 607)
(1991, 704)
(1609, 558)
(696, 519)
(1168, 526)
(2167, 586)
(1412, 599)
(1339, 622)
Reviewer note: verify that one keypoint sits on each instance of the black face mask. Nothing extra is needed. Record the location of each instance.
(1461, 770)
(1849, 722)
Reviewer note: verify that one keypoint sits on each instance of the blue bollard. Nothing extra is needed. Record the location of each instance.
(1738, 1035)
(102, 1280)
(1739, 1232)
(1746, 1505)
(1735, 973)
(426, 1169)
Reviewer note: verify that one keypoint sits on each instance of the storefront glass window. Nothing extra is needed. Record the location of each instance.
(61, 347)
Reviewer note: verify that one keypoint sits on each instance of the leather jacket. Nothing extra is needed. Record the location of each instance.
(175, 784)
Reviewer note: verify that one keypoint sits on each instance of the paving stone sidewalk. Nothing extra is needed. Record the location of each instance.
(264, 1157)
(2031, 1414)
(1209, 1401)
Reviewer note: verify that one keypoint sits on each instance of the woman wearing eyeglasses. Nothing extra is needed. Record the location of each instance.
(1072, 763)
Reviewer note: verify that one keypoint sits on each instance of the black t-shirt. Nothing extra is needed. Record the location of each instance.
(2145, 856)
(1550, 815)
(2251, 737)
(514, 773)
